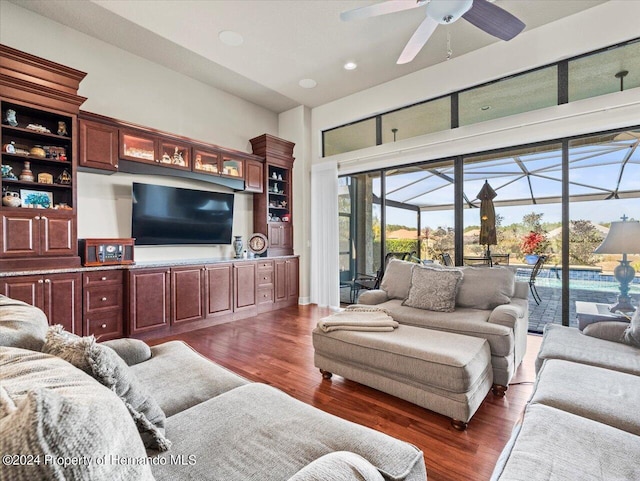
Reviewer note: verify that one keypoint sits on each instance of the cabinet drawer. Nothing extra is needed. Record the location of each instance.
(265, 295)
(102, 297)
(265, 277)
(265, 265)
(105, 325)
(99, 278)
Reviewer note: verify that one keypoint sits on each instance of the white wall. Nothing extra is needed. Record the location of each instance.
(295, 126)
(124, 86)
(601, 26)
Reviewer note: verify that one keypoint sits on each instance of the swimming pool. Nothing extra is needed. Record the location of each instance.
(588, 285)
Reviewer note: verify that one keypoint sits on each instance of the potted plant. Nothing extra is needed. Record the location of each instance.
(533, 244)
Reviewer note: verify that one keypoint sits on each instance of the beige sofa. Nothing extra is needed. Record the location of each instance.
(489, 304)
(220, 426)
(582, 421)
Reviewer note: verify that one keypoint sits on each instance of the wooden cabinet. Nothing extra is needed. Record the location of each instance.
(58, 295)
(98, 145)
(265, 276)
(187, 294)
(39, 107)
(254, 177)
(286, 281)
(36, 233)
(103, 304)
(272, 209)
(149, 300)
(219, 285)
(244, 277)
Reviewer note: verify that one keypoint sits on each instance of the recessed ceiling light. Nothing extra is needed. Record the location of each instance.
(307, 83)
(485, 107)
(232, 39)
(350, 66)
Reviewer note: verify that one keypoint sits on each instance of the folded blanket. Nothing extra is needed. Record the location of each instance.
(358, 318)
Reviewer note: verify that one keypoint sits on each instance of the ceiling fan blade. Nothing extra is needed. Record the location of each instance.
(390, 6)
(417, 40)
(494, 20)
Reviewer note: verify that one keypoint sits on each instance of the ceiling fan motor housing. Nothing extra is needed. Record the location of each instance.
(447, 11)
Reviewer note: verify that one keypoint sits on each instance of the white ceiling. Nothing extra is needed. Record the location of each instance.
(284, 41)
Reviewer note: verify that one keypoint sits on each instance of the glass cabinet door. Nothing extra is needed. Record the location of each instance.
(138, 147)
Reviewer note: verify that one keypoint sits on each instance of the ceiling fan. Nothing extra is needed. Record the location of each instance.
(481, 13)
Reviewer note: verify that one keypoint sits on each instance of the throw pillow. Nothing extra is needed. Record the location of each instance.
(632, 334)
(21, 325)
(56, 410)
(433, 289)
(397, 279)
(486, 287)
(103, 364)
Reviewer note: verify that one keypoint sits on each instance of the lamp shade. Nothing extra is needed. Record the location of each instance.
(623, 238)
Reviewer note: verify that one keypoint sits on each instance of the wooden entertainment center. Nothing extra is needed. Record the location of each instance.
(46, 140)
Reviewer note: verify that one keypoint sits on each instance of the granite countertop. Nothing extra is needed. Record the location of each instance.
(139, 265)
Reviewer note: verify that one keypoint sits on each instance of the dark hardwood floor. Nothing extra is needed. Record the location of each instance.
(275, 348)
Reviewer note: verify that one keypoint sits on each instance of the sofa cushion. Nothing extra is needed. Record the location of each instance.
(164, 377)
(109, 369)
(21, 325)
(433, 289)
(262, 433)
(561, 384)
(338, 466)
(61, 412)
(397, 278)
(632, 334)
(486, 287)
(570, 344)
(470, 322)
(553, 445)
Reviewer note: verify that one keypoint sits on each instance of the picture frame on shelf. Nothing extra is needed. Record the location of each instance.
(36, 199)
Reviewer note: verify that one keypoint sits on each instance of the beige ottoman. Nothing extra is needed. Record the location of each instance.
(448, 373)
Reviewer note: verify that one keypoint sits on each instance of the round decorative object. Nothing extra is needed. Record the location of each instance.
(11, 199)
(26, 175)
(38, 151)
(258, 243)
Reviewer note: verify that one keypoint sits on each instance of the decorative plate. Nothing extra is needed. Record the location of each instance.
(258, 243)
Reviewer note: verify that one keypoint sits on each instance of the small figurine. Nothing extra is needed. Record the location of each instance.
(62, 128)
(10, 118)
(198, 162)
(7, 174)
(165, 159)
(178, 159)
(64, 178)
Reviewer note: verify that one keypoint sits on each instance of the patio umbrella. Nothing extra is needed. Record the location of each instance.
(487, 217)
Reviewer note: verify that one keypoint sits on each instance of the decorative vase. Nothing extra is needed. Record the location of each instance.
(531, 259)
(26, 175)
(237, 246)
(11, 199)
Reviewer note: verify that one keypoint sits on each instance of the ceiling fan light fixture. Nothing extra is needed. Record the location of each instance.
(447, 11)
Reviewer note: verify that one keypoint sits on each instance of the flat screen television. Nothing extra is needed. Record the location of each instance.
(170, 215)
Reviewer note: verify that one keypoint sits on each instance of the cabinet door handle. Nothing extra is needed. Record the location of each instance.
(47, 281)
(104, 326)
(43, 217)
(103, 278)
(40, 281)
(37, 217)
(103, 299)
(116, 166)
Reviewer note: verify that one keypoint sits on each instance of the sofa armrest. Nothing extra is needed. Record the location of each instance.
(607, 330)
(374, 296)
(508, 314)
(338, 466)
(133, 351)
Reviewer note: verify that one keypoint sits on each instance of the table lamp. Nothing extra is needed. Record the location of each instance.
(623, 238)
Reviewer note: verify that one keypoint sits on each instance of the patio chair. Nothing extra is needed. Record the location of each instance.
(446, 259)
(368, 281)
(532, 279)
